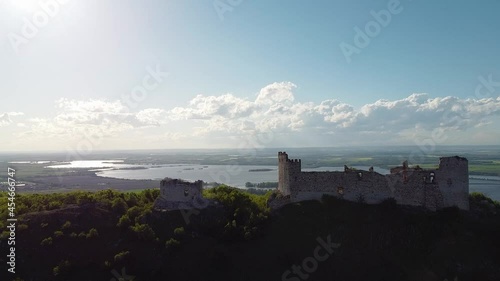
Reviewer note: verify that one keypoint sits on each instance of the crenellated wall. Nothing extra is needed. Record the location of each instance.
(430, 188)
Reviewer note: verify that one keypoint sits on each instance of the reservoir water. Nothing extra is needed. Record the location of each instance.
(234, 175)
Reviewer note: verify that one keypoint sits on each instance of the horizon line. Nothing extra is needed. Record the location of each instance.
(281, 148)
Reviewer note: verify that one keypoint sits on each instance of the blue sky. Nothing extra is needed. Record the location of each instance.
(257, 67)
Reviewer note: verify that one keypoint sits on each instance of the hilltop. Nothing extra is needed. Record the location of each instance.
(100, 236)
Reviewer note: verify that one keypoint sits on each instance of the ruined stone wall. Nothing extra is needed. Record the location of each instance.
(370, 187)
(179, 194)
(417, 189)
(179, 190)
(433, 189)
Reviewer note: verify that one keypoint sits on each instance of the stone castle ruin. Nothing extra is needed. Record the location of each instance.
(434, 189)
(177, 194)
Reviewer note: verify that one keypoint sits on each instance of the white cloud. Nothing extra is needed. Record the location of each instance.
(275, 109)
(151, 117)
(225, 120)
(92, 119)
(202, 107)
(276, 93)
(5, 118)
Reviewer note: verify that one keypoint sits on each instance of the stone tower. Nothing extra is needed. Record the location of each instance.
(453, 179)
(288, 172)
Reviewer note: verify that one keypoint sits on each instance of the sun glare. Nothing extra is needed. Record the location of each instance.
(24, 5)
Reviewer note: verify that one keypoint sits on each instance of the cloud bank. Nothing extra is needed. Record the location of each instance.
(5, 118)
(274, 109)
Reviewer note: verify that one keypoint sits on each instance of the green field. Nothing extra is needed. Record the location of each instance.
(482, 169)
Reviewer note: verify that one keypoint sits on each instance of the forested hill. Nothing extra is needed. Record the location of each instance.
(108, 235)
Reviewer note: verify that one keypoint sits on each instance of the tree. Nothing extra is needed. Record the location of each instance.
(66, 225)
(92, 233)
(134, 212)
(121, 256)
(144, 232)
(124, 221)
(46, 242)
(172, 244)
(179, 231)
(62, 268)
(119, 205)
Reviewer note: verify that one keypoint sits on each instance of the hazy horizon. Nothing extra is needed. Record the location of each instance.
(401, 148)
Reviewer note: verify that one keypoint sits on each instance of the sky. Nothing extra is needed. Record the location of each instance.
(153, 74)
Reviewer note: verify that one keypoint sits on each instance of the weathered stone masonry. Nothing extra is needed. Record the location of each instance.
(178, 194)
(446, 186)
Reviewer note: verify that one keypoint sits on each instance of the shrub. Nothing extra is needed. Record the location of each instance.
(44, 225)
(54, 205)
(73, 235)
(46, 241)
(481, 201)
(131, 199)
(85, 198)
(92, 233)
(124, 221)
(172, 244)
(142, 218)
(179, 231)
(58, 234)
(66, 225)
(82, 235)
(119, 205)
(121, 256)
(62, 268)
(5, 234)
(133, 212)
(149, 195)
(21, 227)
(144, 232)
(243, 210)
